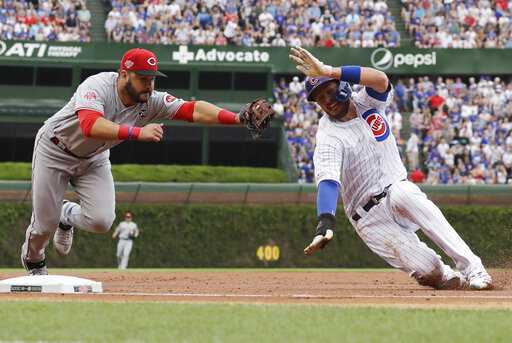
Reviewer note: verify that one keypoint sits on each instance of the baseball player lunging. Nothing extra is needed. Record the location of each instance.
(356, 151)
(73, 147)
(126, 231)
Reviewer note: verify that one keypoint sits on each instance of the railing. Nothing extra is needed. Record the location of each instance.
(247, 193)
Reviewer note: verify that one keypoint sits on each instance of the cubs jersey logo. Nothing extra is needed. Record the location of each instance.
(377, 123)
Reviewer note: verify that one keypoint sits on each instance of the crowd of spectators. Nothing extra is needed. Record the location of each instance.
(324, 23)
(460, 132)
(45, 20)
(459, 24)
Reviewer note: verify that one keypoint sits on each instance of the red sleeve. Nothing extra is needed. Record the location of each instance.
(87, 119)
(186, 112)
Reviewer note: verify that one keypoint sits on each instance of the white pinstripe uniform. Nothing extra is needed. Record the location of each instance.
(361, 154)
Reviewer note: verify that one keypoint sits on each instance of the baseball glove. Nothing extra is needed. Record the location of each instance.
(256, 116)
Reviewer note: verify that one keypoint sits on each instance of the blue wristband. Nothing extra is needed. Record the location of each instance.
(351, 74)
(327, 197)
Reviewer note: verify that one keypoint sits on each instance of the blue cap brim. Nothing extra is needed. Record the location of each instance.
(318, 84)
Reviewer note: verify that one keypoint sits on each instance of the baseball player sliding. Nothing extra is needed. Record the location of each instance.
(356, 153)
(73, 147)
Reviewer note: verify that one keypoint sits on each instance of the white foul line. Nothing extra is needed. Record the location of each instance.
(312, 296)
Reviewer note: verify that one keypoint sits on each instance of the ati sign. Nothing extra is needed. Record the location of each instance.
(38, 50)
(183, 56)
(383, 59)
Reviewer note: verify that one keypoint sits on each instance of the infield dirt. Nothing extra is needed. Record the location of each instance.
(345, 288)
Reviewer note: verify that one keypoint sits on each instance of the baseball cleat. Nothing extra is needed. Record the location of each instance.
(319, 242)
(480, 280)
(63, 239)
(33, 268)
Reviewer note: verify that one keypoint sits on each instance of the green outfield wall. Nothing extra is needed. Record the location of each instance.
(393, 60)
(244, 236)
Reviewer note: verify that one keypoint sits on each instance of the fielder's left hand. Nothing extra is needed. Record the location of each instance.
(323, 235)
(309, 64)
(256, 116)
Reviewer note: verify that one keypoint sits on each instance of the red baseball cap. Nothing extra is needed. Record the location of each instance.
(141, 61)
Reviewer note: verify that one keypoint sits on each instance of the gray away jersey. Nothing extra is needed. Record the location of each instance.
(99, 93)
(127, 230)
(360, 154)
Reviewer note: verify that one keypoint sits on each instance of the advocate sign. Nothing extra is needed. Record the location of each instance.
(214, 54)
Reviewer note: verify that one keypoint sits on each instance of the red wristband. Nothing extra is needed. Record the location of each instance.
(133, 132)
(128, 132)
(227, 117)
(122, 133)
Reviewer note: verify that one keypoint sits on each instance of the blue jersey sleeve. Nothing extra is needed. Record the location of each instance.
(327, 197)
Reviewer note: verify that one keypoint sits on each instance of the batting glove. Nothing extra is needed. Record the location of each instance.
(323, 235)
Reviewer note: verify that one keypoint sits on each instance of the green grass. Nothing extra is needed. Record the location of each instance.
(182, 322)
(166, 173)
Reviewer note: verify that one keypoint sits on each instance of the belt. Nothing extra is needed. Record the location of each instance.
(61, 145)
(374, 200)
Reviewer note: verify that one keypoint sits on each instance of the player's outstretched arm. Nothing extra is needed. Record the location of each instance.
(208, 113)
(94, 125)
(256, 115)
(326, 202)
(313, 67)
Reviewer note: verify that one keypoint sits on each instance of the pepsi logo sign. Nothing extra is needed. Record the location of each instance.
(377, 123)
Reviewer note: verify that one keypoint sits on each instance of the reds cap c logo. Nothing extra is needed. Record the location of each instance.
(377, 123)
(151, 61)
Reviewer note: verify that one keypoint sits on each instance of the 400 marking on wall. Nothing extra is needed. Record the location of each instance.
(268, 253)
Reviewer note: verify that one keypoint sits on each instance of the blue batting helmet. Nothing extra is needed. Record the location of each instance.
(312, 83)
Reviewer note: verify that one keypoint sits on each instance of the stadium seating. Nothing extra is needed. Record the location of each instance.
(45, 20)
(249, 23)
(459, 24)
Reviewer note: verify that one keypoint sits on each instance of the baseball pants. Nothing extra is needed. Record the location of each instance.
(52, 170)
(389, 230)
(124, 248)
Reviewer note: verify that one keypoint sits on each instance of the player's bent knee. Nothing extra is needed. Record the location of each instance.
(102, 224)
